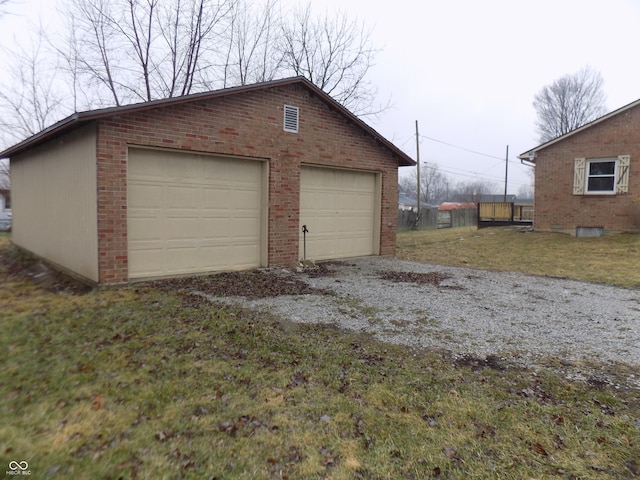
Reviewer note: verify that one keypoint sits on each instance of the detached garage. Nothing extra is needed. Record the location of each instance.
(215, 181)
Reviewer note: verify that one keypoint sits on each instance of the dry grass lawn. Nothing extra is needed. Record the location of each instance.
(148, 383)
(613, 259)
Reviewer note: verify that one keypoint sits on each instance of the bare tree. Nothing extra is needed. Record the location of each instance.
(334, 53)
(527, 190)
(115, 52)
(33, 99)
(133, 50)
(569, 103)
(5, 175)
(434, 185)
(252, 36)
(473, 191)
(3, 9)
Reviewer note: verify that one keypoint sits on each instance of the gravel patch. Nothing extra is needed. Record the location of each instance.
(528, 320)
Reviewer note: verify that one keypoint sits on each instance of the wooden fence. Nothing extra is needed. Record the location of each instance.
(492, 214)
(432, 219)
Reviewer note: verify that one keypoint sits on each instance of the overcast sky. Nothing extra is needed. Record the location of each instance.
(467, 70)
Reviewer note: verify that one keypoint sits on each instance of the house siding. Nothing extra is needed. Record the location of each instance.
(54, 202)
(557, 209)
(249, 124)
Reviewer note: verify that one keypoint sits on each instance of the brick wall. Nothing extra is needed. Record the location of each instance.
(556, 208)
(246, 124)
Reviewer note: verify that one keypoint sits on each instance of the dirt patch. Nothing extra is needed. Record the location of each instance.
(431, 278)
(490, 361)
(18, 265)
(324, 269)
(250, 284)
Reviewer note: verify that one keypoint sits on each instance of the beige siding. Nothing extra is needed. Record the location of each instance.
(340, 209)
(54, 202)
(190, 213)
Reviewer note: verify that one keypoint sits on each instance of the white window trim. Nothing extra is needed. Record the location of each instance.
(588, 162)
(620, 175)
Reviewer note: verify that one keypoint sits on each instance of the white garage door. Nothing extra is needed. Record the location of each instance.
(339, 209)
(192, 213)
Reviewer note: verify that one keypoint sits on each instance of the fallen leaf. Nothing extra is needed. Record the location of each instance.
(431, 421)
(452, 453)
(558, 443)
(329, 461)
(484, 430)
(540, 449)
(294, 455)
(163, 435)
(98, 402)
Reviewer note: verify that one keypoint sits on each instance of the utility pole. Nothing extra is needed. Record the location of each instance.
(418, 166)
(506, 174)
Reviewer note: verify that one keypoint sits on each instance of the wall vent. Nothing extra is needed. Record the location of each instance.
(291, 115)
(596, 231)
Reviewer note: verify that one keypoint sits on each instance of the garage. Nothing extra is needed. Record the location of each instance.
(203, 183)
(190, 213)
(340, 208)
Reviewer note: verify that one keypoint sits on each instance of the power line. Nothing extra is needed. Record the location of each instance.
(467, 149)
(461, 148)
(470, 174)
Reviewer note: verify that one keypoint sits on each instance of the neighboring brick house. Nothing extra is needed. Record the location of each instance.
(589, 179)
(221, 180)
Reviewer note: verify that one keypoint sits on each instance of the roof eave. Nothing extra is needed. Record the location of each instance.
(82, 117)
(529, 155)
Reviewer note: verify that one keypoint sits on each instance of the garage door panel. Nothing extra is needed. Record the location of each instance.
(215, 198)
(338, 207)
(182, 228)
(181, 258)
(244, 229)
(182, 197)
(144, 228)
(206, 215)
(216, 252)
(145, 196)
(214, 227)
(245, 255)
(146, 260)
(182, 170)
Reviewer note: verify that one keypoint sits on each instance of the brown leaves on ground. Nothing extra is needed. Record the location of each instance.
(491, 361)
(452, 453)
(98, 402)
(540, 450)
(250, 284)
(245, 426)
(431, 278)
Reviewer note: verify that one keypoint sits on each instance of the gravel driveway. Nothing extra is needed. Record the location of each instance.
(527, 320)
